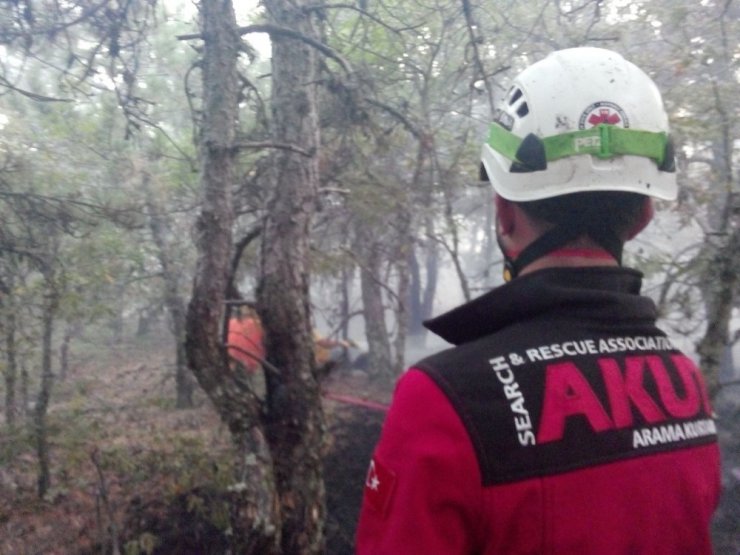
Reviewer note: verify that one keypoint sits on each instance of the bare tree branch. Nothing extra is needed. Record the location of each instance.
(274, 30)
(28, 94)
(475, 41)
(270, 144)
(353, 7)
(407, 123)
(86, 13)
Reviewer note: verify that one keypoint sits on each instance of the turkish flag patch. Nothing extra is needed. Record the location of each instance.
(379, 485)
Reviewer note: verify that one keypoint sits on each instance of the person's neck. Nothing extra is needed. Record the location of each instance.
(572, 257)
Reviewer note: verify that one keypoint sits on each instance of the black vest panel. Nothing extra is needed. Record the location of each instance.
(570, 388)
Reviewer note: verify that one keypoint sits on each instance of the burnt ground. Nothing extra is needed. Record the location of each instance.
(355, 435)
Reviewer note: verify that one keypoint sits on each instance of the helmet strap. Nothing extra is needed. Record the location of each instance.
(554, 239)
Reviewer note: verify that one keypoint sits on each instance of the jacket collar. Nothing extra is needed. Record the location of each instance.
(611, 294)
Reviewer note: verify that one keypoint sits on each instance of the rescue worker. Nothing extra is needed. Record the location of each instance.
(245, 345)
(244, 340)
(328, 350)
(563, 421)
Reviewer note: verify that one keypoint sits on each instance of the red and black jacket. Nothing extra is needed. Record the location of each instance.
(562, 422)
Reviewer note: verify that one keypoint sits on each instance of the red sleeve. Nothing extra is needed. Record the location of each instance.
(423, 491)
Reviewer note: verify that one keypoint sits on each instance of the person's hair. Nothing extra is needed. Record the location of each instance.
(613, 210)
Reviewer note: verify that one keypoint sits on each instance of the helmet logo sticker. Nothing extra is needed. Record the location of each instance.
(603, 112)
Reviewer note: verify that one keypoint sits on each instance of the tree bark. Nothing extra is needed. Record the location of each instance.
(423, 286)
(344, 302)
(401, 307)
(416, 288)
(11, 368)
(184, 386)
(25, 390)
(295, 421)
(10, 372)
(376, 330)
(255, 522)
(40, 428)
(64, 354)
(719, 295)
(72, 330)
(722, 281)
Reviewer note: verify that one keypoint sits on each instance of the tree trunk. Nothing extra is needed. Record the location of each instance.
(255, 524)
(454, 248)
(416, 287)
(64, 354)
(422, 180)
(11, 368)
(25, 389)
(344, 302)
(184, 386)
(404, 248)
(40, 428)
(423, 287)
(72, 330)
(116, 322)
(376, 330)
(401, 310)
(722, 280)
(295, 418)
(490, 246)
(431, 264)
(148, 316)
(719, 295)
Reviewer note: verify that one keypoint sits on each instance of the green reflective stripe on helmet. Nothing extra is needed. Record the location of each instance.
(607, 141)
(503, 141)
(602, 141)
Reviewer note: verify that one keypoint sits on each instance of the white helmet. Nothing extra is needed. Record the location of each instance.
(582, 119)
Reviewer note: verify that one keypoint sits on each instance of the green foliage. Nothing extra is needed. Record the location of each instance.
(183, 460)
(146, 543)
(14, 442)
(215, 510)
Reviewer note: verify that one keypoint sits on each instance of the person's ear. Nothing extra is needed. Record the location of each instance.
(646, 215)
(505, 216)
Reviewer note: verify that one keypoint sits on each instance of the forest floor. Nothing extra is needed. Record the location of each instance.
(130, 470)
